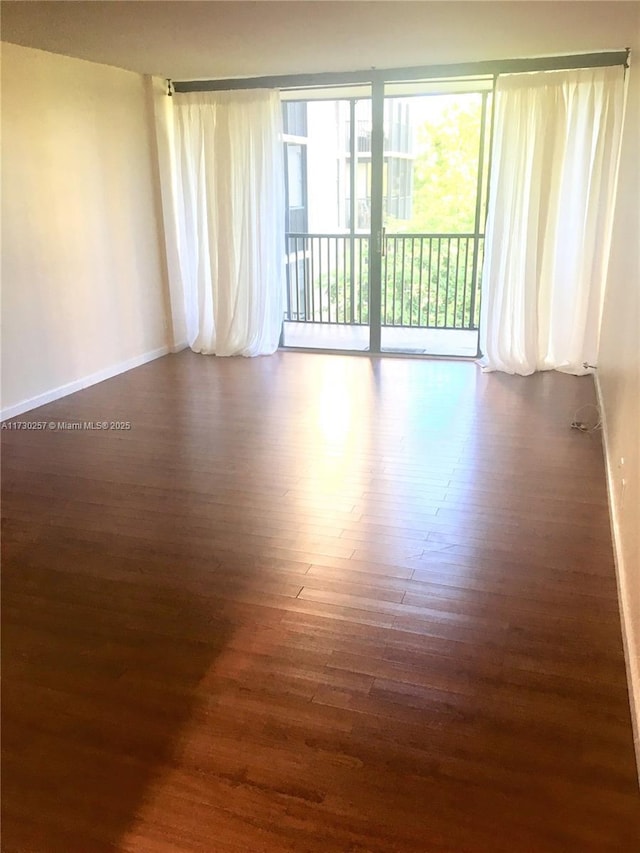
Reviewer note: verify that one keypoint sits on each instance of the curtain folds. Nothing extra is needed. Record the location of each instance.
(229, 199)
(554, 170)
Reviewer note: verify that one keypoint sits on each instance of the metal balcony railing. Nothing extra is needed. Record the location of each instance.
(429, 281)
(328, 278)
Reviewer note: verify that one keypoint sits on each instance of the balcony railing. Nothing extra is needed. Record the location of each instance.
(328, 278)
(429, 281)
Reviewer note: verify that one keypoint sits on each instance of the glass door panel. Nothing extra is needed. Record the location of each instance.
(434, 190)
(327, 146)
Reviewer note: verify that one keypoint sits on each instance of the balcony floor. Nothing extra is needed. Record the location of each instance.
(460, 343)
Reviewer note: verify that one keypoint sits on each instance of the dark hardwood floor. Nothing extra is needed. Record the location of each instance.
(313, 603)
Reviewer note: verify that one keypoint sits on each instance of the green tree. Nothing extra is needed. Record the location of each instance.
(428, 283)
(445, 168)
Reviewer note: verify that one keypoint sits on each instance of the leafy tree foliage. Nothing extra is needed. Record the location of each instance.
(445, 169)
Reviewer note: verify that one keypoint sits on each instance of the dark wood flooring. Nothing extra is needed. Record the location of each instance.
(313, 603)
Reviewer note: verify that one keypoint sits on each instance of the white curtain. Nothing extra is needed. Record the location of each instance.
(229, 194)
(554, 170)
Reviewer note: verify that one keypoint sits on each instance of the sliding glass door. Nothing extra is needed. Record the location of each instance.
(432, 182)
(386, 196)
(327, 147)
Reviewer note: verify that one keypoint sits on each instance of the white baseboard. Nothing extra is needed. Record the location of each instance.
(83, 382)
(630, 655)
(179, 347)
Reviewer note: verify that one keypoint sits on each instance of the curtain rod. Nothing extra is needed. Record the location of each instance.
(433, 72)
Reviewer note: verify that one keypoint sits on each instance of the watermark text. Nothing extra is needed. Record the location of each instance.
(66, 426)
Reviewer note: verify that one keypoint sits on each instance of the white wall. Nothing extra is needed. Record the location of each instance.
(82, 270)
(619, 384)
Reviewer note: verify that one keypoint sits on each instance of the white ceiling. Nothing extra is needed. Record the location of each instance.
(191, 40)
